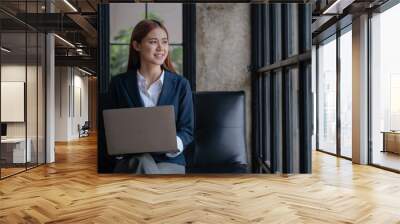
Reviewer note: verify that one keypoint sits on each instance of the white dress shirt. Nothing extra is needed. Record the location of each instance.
(150, 95)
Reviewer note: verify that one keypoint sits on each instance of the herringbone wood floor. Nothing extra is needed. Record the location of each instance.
(71, 191)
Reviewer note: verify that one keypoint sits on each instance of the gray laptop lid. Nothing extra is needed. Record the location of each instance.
(139, 130)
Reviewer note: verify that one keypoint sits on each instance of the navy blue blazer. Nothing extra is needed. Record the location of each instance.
(124, 93)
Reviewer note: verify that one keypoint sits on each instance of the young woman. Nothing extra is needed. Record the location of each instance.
(150, 81)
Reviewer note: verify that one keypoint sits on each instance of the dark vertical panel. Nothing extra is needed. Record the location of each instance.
(266, 34)
(277, 103)
(369, 73)
(45, 89)
(279, 97)
(275, 143)
(277, 31)
(37, 94)
(104, 161)
(277, 116)
(274, 91)
(1, 64)
(255, 58)
(267, 119)
(274, 45)
(260, 121)
(317, 98)
(261, 36)
(261, 97)
(26, 89)
(266, 113)
(254, 87)
(338, 123)
(305, 88)
(295, 113)
(189, 43)
(287, 122)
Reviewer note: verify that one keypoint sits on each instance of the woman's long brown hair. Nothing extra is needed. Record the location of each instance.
(139, 32)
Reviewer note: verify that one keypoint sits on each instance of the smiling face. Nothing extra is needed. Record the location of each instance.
(153, 48)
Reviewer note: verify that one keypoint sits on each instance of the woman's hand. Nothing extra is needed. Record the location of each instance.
(179, 144)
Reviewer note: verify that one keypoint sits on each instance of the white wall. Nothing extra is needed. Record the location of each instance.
(70, 83)
(33, 126)
(12, 73)
(80, 84)
(62, 81)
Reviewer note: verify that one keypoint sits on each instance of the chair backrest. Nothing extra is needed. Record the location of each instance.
(86, 125)
(219, 129)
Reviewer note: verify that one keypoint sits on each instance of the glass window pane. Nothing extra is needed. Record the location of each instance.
(41, 98)
(121, 29)
(118, 59)
(176, 54)
(385, 89)
(31, 98)
(13, 80)
(171, 15)
(123, 17)
(327, 96)
(346, 94)
(42, 6)
(32, 7)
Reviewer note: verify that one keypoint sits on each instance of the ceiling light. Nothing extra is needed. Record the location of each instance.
(337, 7)
(65, 41)
(84, 71)
(70, 5)
(5, 49)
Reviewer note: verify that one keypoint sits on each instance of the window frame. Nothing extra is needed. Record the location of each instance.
(381, 9)
(339, 32)
(270, 73)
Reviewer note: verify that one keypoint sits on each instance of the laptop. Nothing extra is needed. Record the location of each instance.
(140, 130)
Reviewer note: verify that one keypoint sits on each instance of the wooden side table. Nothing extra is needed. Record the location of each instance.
(391, 141)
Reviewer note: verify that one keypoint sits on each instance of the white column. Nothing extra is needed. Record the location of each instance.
(314, 95)
(50, 94)
(360, 90)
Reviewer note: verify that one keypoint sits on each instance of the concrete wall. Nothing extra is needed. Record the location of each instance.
(223, 51)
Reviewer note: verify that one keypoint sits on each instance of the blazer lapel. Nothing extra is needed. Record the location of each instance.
(133, 89)
(167, 89)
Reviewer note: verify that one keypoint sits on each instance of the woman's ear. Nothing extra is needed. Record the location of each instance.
(136, 45)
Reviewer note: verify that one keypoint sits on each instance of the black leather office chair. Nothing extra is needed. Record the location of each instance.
(220, 142)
